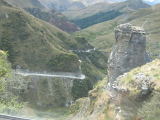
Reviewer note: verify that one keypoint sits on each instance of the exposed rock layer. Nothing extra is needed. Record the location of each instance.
(41, 91)
(128, 52)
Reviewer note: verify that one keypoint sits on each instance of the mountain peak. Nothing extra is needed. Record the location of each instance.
(2, 2)
(137, 4)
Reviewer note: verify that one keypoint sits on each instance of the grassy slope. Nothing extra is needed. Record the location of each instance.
(4, 69)
(100, 106)
(149, 109)
(130, 80)
(95, 9)
(8, 102)
(35, 8)
(102, 35)
(85, 12)
(54, 18)
(34, 44)
(25, 3)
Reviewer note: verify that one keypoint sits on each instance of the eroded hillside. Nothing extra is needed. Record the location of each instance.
(101, 35)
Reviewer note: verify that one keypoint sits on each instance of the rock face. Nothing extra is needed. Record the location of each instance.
(44, 92)
(129, 50)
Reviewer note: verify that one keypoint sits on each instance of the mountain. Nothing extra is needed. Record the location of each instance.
(23, 36)
(134, 94)
(55, 18)
(59, 5)
(86, 12)
(35, 45)
(62, 5)
(26, 3)
(101, 35)
(103, 12)
(152, 2)
(77, 5)
(92, 2)
(35, 8)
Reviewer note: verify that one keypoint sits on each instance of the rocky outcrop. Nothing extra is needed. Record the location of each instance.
(134, 93)
(138, 92)
(128, 52)
(42, 91)
(55, 18)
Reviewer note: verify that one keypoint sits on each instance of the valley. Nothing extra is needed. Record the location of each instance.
(146, 18)
(79, 60)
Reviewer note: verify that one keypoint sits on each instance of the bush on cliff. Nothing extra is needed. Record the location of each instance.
(4, 70)
(8, 102)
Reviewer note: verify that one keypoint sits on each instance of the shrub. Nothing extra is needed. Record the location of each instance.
(151, 109)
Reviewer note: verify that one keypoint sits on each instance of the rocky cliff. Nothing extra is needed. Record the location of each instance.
(42, 91)
(128, 52)
(135, 94)
(138, 92)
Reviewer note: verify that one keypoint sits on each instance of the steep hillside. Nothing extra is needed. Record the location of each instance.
(63, 5)
(77, 5)
(54, 18)
(26, 3)
(103, 12)
(128, 93)
(105, 7)
(101, 35)
(38, 46)
(35, 8)
(88, 11)
(8, 101)
(32, 48)
(133, 102)
(92, 2)
(59, 5)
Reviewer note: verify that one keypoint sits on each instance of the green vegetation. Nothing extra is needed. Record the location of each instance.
(4, 70)
(38, 46)
(8, 102)
(25, 3)
(148, 70)
(87, 12)
(142, 89)
(93, 66)
(124, 7)
(53, 17)
(60, 63)
(30, 42)
(98, 18)
(80, 88)
(150, 109)
(10, 105)
(96, 104)
(102, 36)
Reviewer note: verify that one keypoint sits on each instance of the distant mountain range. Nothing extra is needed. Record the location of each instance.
(101, 35)
(38, 10)
(152, 2)
(91, 2)
(101, 12)
(63, 5)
